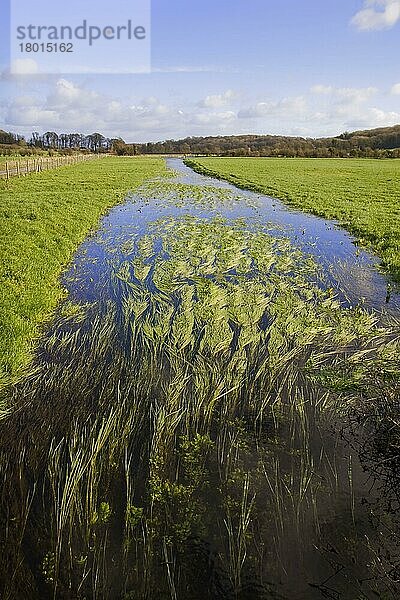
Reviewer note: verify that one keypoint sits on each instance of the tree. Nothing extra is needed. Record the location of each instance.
(95, 141)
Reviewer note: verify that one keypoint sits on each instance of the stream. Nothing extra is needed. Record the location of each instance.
(351, 272)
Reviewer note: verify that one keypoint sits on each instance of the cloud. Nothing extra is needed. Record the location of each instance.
(25, 71)
(395, 89)
(286, 107)
(218, 100)
(350, 116)
(22, 66)
(69, 95)
(214, 118)
(322, 89)
(345, 95)
(377, 15)
(71, 106)
(368, 119)
(348, 108)
(23, 114)
(192, 69)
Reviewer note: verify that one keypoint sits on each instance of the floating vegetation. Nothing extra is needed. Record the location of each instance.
(185, 194)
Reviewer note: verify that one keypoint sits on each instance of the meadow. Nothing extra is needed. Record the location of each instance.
(362, 195)
(4, 159)
(43, 218)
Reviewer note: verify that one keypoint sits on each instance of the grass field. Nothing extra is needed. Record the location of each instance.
(363, 195)
(14, 157)
(42, 220)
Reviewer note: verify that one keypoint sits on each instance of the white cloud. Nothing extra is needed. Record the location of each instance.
(322, 89)
(370, 118)
(66, 91)
(345, 94)
(23, 101)
(356, 95)
(69, 106)
(72, 106)
(214, 118)
(218, 100)
(24, 66)
(349, 117)
(347, 108)
(191, 69)
(287, 107)
(31, 116)
(395, 89)
(377, 14)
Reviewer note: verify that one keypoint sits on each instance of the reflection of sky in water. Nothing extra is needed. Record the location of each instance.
(350, 271)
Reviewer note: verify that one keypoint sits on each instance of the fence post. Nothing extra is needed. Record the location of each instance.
(18, 169)
(7, 171)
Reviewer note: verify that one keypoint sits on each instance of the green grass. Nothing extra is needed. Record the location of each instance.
(36, 155)
(43, 218)
(4, 159)
(363, 195)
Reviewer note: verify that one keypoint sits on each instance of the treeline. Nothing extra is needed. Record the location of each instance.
(9, 138)
(376, 143)
(373, 143)
(51, 142)
(95, 142)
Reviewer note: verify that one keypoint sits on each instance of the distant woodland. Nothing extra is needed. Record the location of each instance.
(373, 143)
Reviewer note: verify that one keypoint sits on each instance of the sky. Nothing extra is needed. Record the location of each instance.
(226, 67)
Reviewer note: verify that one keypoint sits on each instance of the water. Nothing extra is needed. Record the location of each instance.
(350, 271)
(142, 464)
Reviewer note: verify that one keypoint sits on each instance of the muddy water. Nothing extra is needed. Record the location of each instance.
(127, 475)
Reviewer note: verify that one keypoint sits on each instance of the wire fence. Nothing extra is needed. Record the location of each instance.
(19, 168)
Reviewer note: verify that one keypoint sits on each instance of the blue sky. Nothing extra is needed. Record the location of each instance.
(224, 67)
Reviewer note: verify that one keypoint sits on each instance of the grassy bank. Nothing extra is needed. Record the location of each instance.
(42, 220)
(363, 195)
